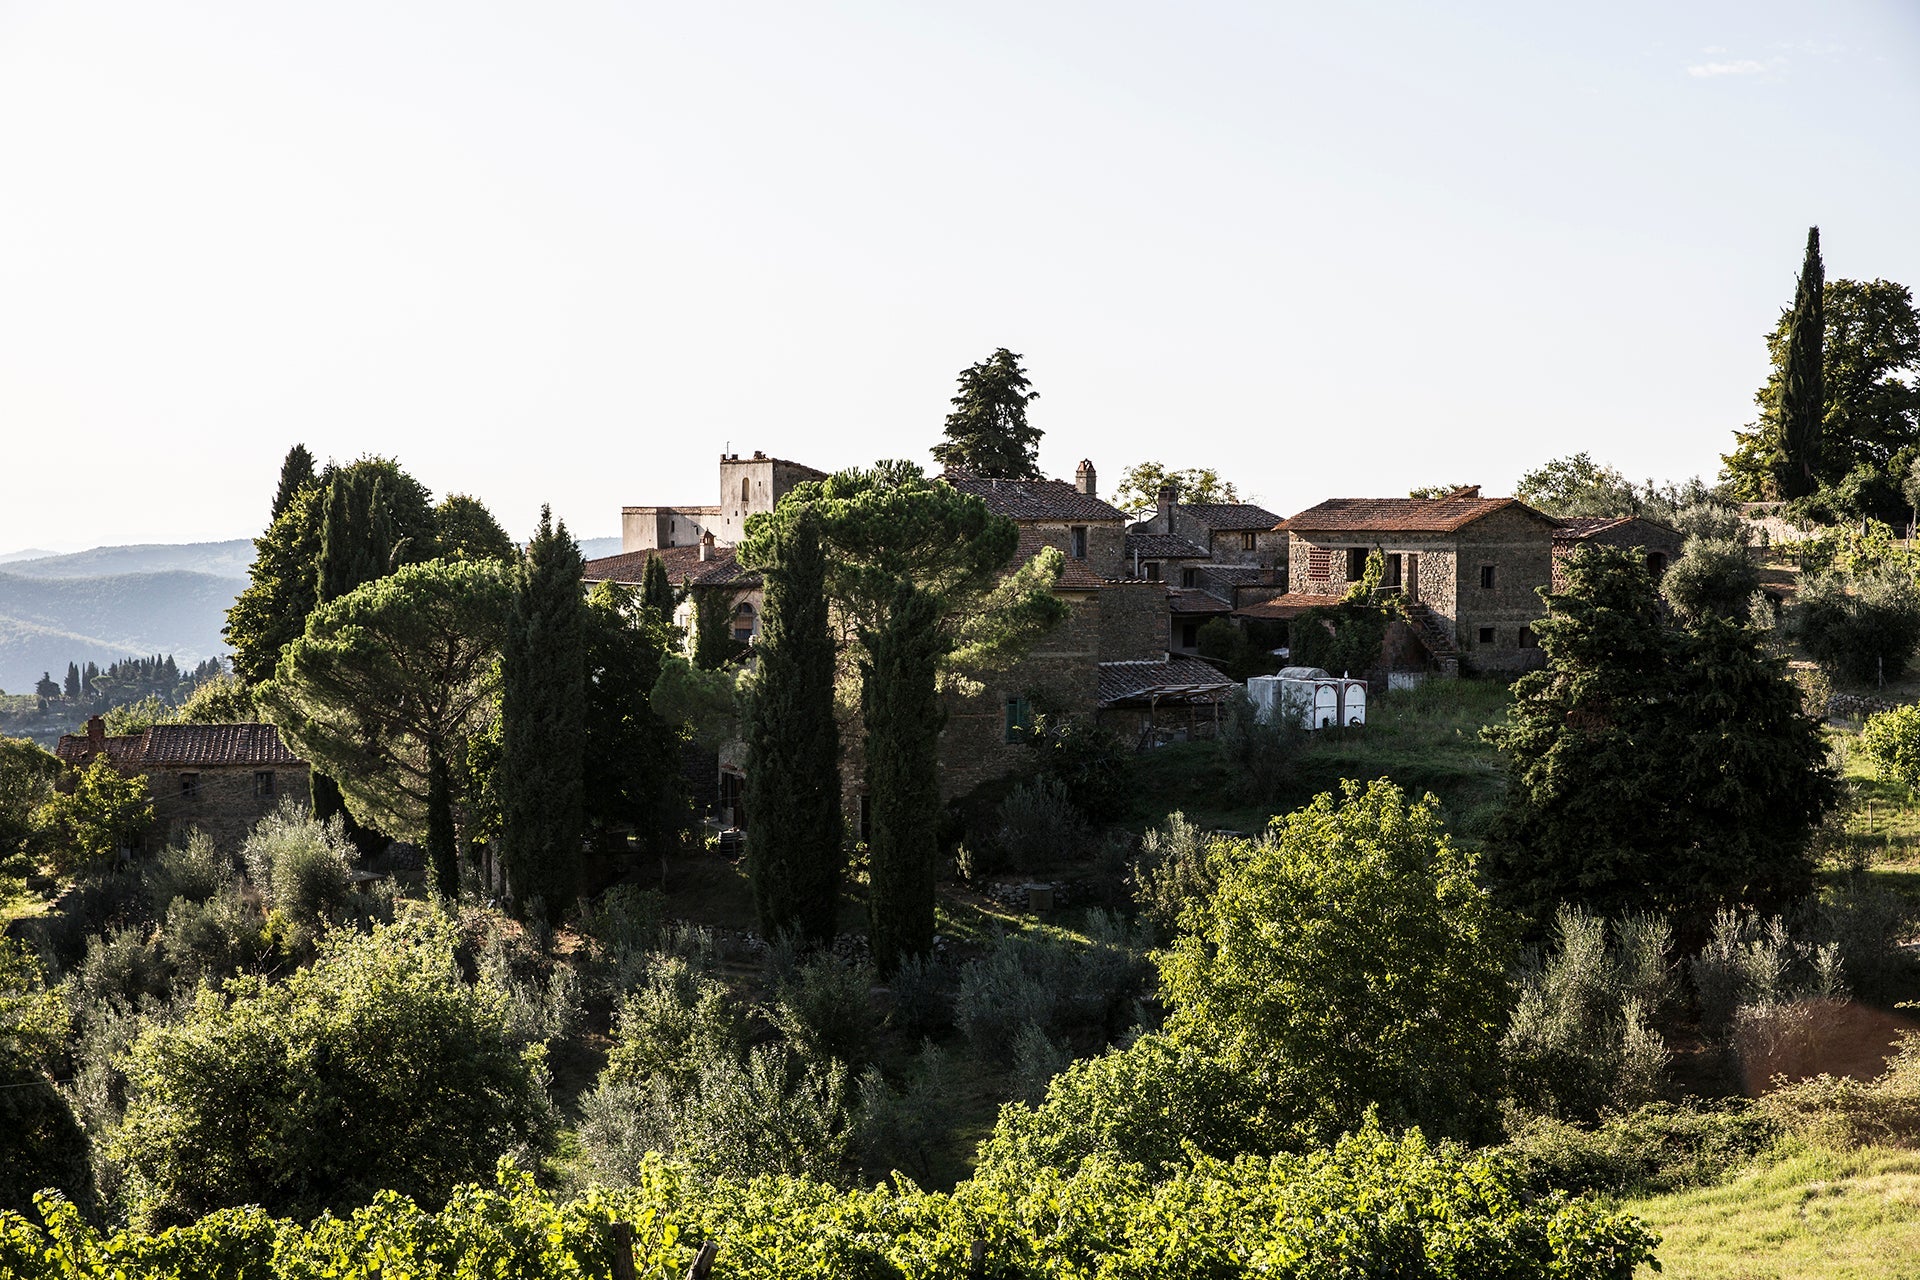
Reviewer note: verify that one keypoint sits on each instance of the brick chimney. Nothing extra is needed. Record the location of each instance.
(1466, 491)
(1083, 479)
(1169, 494)
(96, 735)
(706, 545)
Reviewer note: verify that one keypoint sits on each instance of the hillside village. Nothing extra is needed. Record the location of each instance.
(959, 826)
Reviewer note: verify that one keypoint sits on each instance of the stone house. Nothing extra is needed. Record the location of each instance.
(1112, 617)
(1660, 543)
(699, 570)
(1241, 533)
(1214, 557)
(1470, 568)
(219, 778)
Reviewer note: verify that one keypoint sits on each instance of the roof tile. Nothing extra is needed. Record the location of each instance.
(1033, 499)
(684, 565)
(1401, 515)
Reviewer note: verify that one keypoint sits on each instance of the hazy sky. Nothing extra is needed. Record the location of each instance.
(567, 252)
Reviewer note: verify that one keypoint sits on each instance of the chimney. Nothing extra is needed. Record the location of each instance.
(1083, 479)
(1169, 494)
(759, 456)
(1466, 491)
(706, 545)
(96, 735)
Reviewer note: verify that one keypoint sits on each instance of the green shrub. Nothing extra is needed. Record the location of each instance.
(1843, 1113)
(1891, 740)
(825, 1010)
(1039, 826)
(904, 1130)
(214, 939)
(41, 1145)
(1177, 870)
(1088, 762)
(1862, 625)
(1259, 754)
(677, 1018)
(196, 871)
(302, 866)
(125, 966)
(923, 991)
(1654, 1148)
(376, 1067)
(1050, 981)
(1713, 576)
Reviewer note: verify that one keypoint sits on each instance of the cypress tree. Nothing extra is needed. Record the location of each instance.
(1803, 399)
(794, 845)
(296, 473)
(713, 642)
(73, 681)
(657, 593)
(543, 710)
(903, 716)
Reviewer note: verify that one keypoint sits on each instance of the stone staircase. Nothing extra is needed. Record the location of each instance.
(1434, 635)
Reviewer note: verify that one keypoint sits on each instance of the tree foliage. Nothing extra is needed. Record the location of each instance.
(988, 433)
(1351, 960)
(41, 1144)
(1861, 622)
(901, 707)
(375, 1068)
(795, 847)
(465, 530)
(543, 710)
(388, 685)
(1802, 398)
(1140, 485)
(632, 777)
(27, 775)
(90, 822)
(1713, 577)
(296, 474)
(1652, 767)
(1891, 740)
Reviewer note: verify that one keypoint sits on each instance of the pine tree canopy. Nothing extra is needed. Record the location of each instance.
(988, 433)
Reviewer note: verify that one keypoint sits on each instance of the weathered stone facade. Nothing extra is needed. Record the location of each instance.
(1660, 543)
(748, 486)
(219, 778)
(1475, 564)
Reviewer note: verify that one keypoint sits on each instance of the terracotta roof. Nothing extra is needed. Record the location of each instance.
(178, 744)
(1033, 499)
(175, 745)
(1188, 601)
(683, 565)
(1178, 678)
(1074, 574)
(1163, 546)
(1586, 526)
(1291, 605)
(1224, 517)
(1401, 515)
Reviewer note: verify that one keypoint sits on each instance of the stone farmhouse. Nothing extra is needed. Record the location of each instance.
(1658, 542)
(1470, 568)
(220, 778)
(1214, 557)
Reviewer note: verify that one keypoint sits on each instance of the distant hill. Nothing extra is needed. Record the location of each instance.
(220, 559)
(117, 602)
(46, 622)
(29, 553)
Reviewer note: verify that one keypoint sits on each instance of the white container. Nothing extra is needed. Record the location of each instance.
(1310, 697)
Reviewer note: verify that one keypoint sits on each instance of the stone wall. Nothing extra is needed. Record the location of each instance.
(1654, 540)
(225, 803)
(1134, 621)
(1269, 548)
(1061, 673)
(652, 528)
(1519, 548)
(1428, 562)
(1106, 543)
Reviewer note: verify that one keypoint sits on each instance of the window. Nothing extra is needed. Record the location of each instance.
(1019, 717)
(1356, 563)
(263, 783)
(190, 786)
(1079, 542)
(1526, 638)
(1249, 540)
(743, 489)
(1189, 635)
(1319, 564)
(1656, 564)
(1189, 578)
(1486, 577)
(1150, 571)
(743, 623)
(1486, 635)
(1393, 572)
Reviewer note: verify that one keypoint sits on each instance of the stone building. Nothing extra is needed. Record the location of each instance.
(1242, 533)
(220, 778)
(1659, 543)
(747, 486)
(1112, 617)
(1470, 568)
(704, 568)
(1214, 557)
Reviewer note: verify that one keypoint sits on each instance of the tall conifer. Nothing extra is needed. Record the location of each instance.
(296, 473)
(657, 593)
(1803, 398)
(794, 839)
(543, 708)
(903, 717)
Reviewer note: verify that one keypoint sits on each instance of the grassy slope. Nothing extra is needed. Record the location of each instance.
(1832, 1215)
(1425, 739)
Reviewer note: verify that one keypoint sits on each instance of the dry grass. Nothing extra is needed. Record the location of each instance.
(1832, 1215)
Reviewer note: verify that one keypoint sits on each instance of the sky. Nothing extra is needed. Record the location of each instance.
(569, 253)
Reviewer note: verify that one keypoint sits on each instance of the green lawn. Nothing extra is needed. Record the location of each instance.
(1831, 1215)
(1425, 739)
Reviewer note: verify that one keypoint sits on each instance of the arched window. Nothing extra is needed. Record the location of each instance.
(743, 488)
(743, 619)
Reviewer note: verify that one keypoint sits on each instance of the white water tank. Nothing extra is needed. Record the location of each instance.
(1309, 696)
